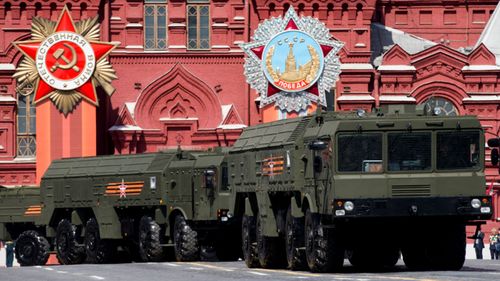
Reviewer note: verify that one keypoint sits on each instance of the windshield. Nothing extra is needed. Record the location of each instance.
(360, 153)
(457, 150)
(409, 151)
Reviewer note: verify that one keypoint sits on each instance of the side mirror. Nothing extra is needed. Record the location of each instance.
(317, 145)
(317, 164)
(494, 156)
(210, 178)
(495, 142)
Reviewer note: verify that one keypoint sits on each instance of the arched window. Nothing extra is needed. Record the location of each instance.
(441, 107)
(26, 122)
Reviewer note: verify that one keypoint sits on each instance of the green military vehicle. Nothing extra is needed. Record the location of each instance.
(304, 192)
(313, 190)
(89, 208)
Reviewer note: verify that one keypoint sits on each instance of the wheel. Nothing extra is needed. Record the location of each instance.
(269, 250)
(294, 231)
(69, 249)
(228, 247)
(150, 248)
(447, 252)
(97, 249)
(185, 241)
(248, 241)
(324, 252)
(32, 249)
(415, 257)
(389, 257)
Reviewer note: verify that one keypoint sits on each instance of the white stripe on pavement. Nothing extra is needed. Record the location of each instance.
(258, 273)
(171, 264)
(97, 277)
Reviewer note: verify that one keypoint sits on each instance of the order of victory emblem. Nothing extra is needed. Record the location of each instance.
(292, 61)
(65, 61)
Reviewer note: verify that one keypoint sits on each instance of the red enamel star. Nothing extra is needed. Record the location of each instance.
(65, 60)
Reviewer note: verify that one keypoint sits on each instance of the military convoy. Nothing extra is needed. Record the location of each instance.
(300, 193)
(89, 208)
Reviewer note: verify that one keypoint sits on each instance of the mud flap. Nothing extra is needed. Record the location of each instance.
(268, 220)
(109, 223)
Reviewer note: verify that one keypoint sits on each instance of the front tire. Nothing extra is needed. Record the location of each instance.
(69, 250)
(324, 252)
(150, 248)
(186, 245)
(448, 253)
(32, 249)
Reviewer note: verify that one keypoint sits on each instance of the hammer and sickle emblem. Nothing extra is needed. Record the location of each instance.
(59, 54)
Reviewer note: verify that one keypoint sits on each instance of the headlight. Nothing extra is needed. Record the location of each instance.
(475, 203)
(339, 212)
(485, 210)
(348, 206)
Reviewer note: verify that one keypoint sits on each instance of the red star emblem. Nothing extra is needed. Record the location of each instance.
(259, 52)
(65, 60)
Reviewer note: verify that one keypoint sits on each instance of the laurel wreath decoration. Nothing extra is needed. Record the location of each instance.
(65, 101)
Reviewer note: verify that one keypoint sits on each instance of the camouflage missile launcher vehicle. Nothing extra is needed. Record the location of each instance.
(87, 208)
(303, 192)
(313, 190)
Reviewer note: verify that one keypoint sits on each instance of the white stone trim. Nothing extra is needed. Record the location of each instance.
(7, 98)
(238, 18)
(220, 47)
(125, 128)
(350, 97)
(175, 24)
(134, 47)
(482, 98)
(398, 67)
(178, 119)
(7, 66)
(177, 47)
(364, 66)
(232, 126)
(133, 25)
(225, 110)
(397, 98)
(480, 67)
(220, 25)
(131, 108)
(116, 18)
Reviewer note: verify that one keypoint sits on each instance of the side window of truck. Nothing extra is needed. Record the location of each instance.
(458, 150)
(224, 179)
(360, 152)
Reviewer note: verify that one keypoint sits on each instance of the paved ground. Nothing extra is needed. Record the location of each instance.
(470, 254)
(221, 271)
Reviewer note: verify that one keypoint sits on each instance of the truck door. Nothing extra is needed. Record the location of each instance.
(322, 169)
(180, 185)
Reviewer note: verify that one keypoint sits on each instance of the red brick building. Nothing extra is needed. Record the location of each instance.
(180, 70)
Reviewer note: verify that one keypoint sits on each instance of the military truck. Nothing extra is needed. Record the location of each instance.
(311, 191)
(89, 208)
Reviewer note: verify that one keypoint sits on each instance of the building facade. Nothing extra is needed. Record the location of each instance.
(180, 69)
